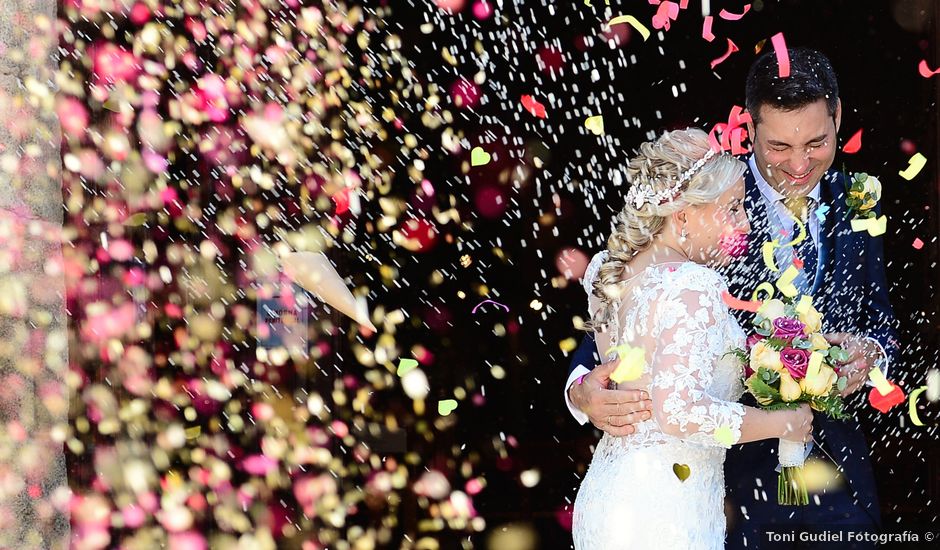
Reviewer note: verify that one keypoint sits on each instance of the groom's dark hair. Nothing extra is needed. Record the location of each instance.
(811, 79)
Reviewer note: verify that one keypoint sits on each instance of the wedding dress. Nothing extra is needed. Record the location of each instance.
(632, 495)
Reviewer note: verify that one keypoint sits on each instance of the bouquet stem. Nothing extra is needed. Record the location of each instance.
(791, 486)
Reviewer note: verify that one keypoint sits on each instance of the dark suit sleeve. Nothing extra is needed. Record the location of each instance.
(880, 322)
(585, 355)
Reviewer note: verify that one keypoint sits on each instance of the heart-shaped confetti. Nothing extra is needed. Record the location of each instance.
(405, 365)
(479, 157)
(595, 124)
(724, 436)
(533, 106)
(446, 406)
(682, 471)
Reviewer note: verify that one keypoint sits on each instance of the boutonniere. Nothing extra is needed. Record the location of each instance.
(862, 195)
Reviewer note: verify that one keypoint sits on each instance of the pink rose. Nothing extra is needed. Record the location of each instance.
(787, 328)
(753, 339)
(796, 361)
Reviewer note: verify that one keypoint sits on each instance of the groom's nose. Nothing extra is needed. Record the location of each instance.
(799, 161)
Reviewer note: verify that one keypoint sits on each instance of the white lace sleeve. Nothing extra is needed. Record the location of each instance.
(687, 326)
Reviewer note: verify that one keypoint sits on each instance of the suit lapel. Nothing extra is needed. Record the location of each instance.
(827, 236)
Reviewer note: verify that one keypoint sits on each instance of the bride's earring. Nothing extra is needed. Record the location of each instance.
(683, 236)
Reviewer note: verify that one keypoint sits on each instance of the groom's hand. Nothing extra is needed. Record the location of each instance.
(863, 354)
(613, 411)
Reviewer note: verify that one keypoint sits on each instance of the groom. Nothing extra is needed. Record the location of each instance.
(795, 121)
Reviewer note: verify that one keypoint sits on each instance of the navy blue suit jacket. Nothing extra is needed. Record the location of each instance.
(851, 291)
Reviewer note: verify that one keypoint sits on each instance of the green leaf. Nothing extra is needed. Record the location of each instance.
(782, 405)
(838, 354)
(760, 389)
(777, 343)
(800, 344)
(842, 383)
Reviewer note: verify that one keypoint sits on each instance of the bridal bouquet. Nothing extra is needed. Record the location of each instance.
(787, 363)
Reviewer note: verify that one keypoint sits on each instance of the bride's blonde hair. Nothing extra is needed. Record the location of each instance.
(659, 164)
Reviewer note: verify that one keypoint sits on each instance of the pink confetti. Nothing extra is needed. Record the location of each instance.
(925, 71)
(854, 143)
(667, 12)
(707, 28)
(783, 58)
(731, 49)
(728, 16)
(258, 465)
(918, 244)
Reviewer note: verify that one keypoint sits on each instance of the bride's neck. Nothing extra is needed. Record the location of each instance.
(658, 253)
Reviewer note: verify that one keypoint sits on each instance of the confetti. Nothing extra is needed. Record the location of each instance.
(737, 303)
(874, 226)
(665, 14)
(854, 144)
(881, 383)
(767, 253)
(815, 361)
(633, 22)
(914, 166)
(446, 407)
(926, 71)
(917, 244)
(727, 15)
(479, 157)
(707, 33)
(785, 282)
(682, 471)
(933, 385)
(783, 57)
(533, 106)
(885, 402)
(766, 287)
(595, 124)
(316, 274)
(821, 212)
(405, 365)
(489, 302)
(724, 436)
(631, 364)
(731, 49)
(912, 406)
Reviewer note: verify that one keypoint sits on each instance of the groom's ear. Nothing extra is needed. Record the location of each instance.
(838, 115)
(751, 125)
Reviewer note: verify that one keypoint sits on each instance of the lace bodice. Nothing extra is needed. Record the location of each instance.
(676, 313)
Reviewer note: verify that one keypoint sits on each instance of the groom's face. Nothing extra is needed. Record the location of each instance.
(794, 149)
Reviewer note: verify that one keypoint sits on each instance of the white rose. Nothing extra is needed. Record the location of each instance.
(873, 186)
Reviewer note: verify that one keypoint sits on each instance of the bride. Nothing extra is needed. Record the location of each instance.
(663, 486)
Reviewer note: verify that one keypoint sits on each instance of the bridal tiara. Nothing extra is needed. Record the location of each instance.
(641, 194)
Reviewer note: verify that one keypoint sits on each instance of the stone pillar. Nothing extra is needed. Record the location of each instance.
(34, 494)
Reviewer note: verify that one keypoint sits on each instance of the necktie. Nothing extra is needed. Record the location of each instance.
(806, 249)
(798, 206)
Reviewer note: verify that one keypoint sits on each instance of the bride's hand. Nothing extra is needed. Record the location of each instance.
(798, 424)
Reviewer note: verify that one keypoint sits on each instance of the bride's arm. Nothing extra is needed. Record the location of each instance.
(687, 325)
